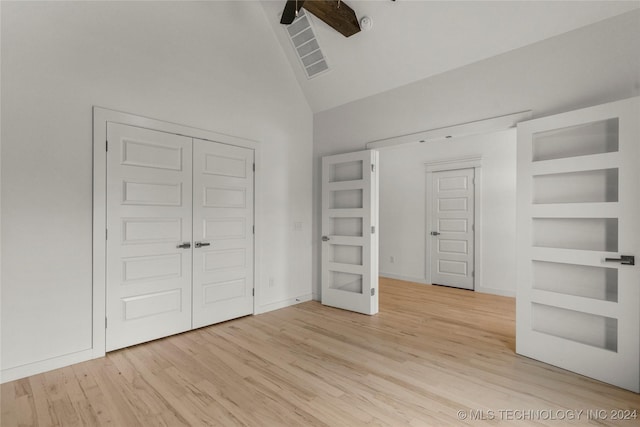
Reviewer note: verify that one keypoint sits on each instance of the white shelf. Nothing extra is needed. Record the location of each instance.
(576, 164)
(576, 210)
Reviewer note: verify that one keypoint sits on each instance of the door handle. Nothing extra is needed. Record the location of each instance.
(325, 238)
(435, 233)
(201, 244)
(624, 260)
(185, 245)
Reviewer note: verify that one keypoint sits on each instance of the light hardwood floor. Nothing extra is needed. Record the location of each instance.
(429, 353)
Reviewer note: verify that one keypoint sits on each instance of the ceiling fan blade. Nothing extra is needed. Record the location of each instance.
(289, 12)
(338, 16)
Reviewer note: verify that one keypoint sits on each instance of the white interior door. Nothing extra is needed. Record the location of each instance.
(223, 232)
(452, 228)
(578, 295)
(350, 231)
(148, 219)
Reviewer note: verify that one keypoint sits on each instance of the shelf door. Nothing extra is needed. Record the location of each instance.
(578, 289)
(349, 231)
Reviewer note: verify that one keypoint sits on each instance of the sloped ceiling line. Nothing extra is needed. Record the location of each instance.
(414, 40)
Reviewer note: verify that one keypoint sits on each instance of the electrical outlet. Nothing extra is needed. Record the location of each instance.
(392, 259)
(297, 226)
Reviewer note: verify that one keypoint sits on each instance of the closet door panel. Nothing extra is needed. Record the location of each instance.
(223, 232)
(148, 223)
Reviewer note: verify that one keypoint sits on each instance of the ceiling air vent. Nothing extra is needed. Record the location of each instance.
(306, 45)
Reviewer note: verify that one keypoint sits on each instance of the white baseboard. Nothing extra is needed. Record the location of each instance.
(283, 303)
(405, 278)
(481, 289)
(494, 291)
(11, 374)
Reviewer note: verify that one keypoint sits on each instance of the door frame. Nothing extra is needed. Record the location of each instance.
(474, 163)
(102, 116)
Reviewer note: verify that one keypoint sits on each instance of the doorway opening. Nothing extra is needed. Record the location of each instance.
(462, 188)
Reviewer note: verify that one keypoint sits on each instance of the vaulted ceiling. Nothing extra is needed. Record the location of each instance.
(413, 40)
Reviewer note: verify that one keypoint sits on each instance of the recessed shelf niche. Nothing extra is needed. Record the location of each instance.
(598, 283)
(346, 227)
(345, 254)
(582, 140)
(587, 234)
(346, 199)
(593, 186)
(348, 171)
(347, 282)
(586, 328)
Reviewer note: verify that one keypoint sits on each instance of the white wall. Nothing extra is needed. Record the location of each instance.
(192, 63)
(588, 66)
(403, 225)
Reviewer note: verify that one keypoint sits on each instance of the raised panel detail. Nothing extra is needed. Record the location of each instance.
(151, 155)
(225, 166)
(452, 204)
(155, 267)
(452, 267)
(224, 259)
(152, 304)
(452, 225)
(220, 197)
(447, 246)
(215, 292)
(224, 228)
(155, 194)
(453, 183)
(151, 230)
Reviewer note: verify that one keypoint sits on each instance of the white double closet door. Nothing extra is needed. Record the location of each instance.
(179, 238)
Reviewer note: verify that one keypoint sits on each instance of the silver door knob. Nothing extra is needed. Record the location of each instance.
(185, 245)
(325, 238)
(201, 244)
(435, 233)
